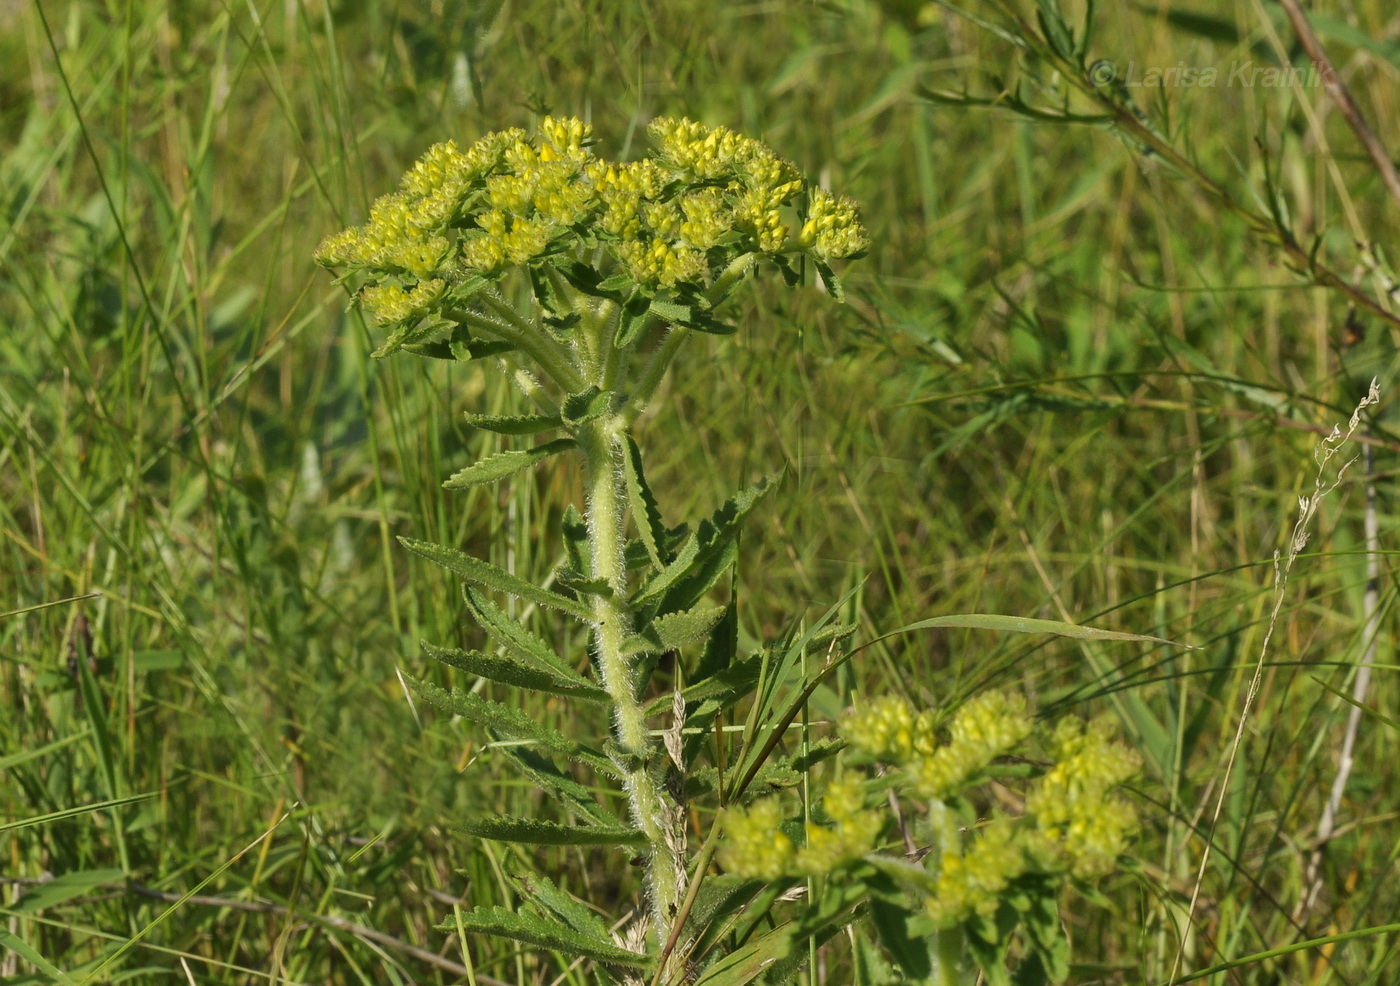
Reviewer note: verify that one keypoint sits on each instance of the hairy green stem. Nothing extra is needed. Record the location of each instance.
(656, 370)
(600, 441)
(528, 337)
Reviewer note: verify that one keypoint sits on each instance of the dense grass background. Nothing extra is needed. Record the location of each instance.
(1066, 385)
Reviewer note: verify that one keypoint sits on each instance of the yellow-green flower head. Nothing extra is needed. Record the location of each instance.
(676, 220)
(390, 303)
(943, 772)
(1078, 817)
(884, 728)
(992, 723)
(854, 834)
(704, 152)
(833, 230)
(755, 844)
(565, 140)
(973, 882)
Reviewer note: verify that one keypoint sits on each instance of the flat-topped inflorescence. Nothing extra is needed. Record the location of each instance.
(511, 200)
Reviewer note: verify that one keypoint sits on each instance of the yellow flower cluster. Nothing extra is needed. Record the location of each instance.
(984, 728)
(709, 195)
(1073, 822)
(756, 846)
(974, 880)
(1080, 823)
(833, 227)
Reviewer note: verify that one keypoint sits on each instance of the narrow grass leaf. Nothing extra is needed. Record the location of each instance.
(1021, 624)
(536, 832)
(23, 756)
(484, 573)
(513, 672)
(54, 816)
(533, 930)
(25, 951)
(503, 465)
(65, 888)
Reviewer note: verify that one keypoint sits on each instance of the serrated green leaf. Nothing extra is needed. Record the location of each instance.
(574, 531)
(670, 311)
(512, 635)
(414, 330)
(586, 406)
(545, 896)
(575, 581)
(830, 281)
(65, 888)
(549, 777)
(673, 630)
(509, 671)
(465, 352)
(503, 719)
(547, 933)
(645, 511)
(521, 424)
(495, 468)
(910, 953)
(748, 963)
(535, 832)
(632, 319)
(704, 557)
(484, 573)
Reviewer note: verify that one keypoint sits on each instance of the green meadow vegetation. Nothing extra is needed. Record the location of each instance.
(1122, 285)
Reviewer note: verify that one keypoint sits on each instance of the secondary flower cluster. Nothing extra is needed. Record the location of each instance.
(757, 846)
(984, 728)
(707, 196)
(1072, 825)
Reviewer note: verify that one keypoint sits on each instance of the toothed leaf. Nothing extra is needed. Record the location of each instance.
(496, 467)
(535, 832)
(674, 630)
(511, 672)
(546, 933)
(484, 573)
(508, 632)
(704, 557)
(503, 719)
(645, 511)
(586, 405)
(523, 424)
(549, 777)
(545, 896)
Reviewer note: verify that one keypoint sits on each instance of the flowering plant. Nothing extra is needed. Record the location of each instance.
(621, 263)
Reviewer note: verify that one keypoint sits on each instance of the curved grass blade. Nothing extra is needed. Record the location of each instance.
(1022, 624)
